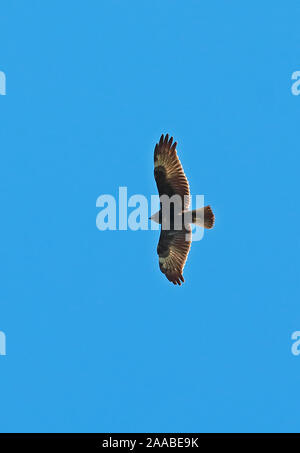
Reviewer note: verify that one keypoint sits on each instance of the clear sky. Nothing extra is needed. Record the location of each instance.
(97, 338)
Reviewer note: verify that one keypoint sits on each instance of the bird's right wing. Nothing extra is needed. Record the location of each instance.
(173, 249)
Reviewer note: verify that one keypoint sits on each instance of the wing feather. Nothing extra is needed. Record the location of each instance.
(173, 249)
(168, 172)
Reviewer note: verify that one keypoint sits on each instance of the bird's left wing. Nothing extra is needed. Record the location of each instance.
(173, 249)
(168, 172)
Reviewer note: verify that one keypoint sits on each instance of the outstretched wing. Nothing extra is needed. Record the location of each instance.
(168, 171)
(173, 249)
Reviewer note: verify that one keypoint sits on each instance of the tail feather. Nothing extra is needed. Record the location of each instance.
(203, 217)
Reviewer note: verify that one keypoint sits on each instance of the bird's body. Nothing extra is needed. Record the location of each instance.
(174, 216)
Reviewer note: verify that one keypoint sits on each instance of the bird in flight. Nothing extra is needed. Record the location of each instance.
(174, 217)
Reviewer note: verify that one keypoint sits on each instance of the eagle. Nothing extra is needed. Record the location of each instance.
(175, 236)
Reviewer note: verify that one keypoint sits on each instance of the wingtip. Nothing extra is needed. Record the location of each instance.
(176, 279)
(173, 147)
(166, 140)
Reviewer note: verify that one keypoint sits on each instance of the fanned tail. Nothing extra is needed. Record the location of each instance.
(203, 217)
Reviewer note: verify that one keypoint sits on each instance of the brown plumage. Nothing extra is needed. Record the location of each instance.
(174, 244)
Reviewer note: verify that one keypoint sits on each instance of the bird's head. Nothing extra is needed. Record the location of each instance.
(155, 217)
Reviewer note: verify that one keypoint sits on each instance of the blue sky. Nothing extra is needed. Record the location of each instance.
(97, 338)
